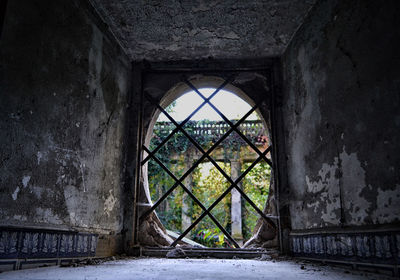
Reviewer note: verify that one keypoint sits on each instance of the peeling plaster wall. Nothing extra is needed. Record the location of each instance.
(177, 30)
(63, 96)
(341, 116)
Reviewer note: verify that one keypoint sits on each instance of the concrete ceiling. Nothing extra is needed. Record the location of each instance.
(193, 29)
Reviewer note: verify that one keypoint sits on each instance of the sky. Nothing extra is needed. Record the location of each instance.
(232, 106)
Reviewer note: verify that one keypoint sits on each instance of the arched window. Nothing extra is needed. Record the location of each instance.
(206, 165)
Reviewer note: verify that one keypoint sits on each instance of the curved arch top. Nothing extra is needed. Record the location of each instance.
(199, 81)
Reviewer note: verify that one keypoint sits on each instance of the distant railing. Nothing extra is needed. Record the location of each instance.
(253, 130)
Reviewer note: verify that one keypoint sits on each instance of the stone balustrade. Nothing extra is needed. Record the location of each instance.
(254, 130)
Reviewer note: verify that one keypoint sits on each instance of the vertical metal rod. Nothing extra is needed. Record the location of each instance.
(138, 171)
(268, 220)
(274, 156)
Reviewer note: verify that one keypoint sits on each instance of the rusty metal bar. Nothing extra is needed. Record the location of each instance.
(213, 147)
(186, 120)
(196, 200)
(221, 170)
(268, 220)
(233, 127)
(216, 201)
(228, 122)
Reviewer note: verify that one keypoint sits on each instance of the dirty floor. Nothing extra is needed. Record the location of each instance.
(151, 268)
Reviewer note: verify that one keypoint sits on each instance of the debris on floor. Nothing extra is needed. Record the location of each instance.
(176, 253)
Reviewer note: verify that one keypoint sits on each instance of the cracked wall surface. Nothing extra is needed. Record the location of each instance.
(63, 92)
(64, 103)
(176, 30)
(341, 116)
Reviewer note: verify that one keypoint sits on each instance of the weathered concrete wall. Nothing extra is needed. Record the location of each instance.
(176, 30)
(341, 116)
(63, 96)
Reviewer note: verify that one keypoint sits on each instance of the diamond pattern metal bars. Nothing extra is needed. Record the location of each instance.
(207, 100)
(206, 211)
(206, 154)
(187, 119)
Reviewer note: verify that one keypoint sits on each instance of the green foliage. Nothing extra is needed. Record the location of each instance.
(256, 186)
(207, 187)
(170, 210)
(212, 237)
(171, 107)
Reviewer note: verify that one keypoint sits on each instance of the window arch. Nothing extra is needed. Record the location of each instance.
(196, 85)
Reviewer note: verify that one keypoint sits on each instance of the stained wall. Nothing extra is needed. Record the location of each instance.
(341, 118)
(64, 83)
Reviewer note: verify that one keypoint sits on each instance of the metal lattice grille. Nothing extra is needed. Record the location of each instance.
(179, 127)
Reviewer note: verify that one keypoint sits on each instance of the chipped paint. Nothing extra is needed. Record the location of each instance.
(353, 180)
(48, 216)
(308, 122)
(326, 194)
(386, 199)
(337, 121)
(39, 156)
(109, 203)
(38, 191)
(15, 194)
(20, 217)
(323, 193)
(25, 180)
(60, 155)
(77, 205)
